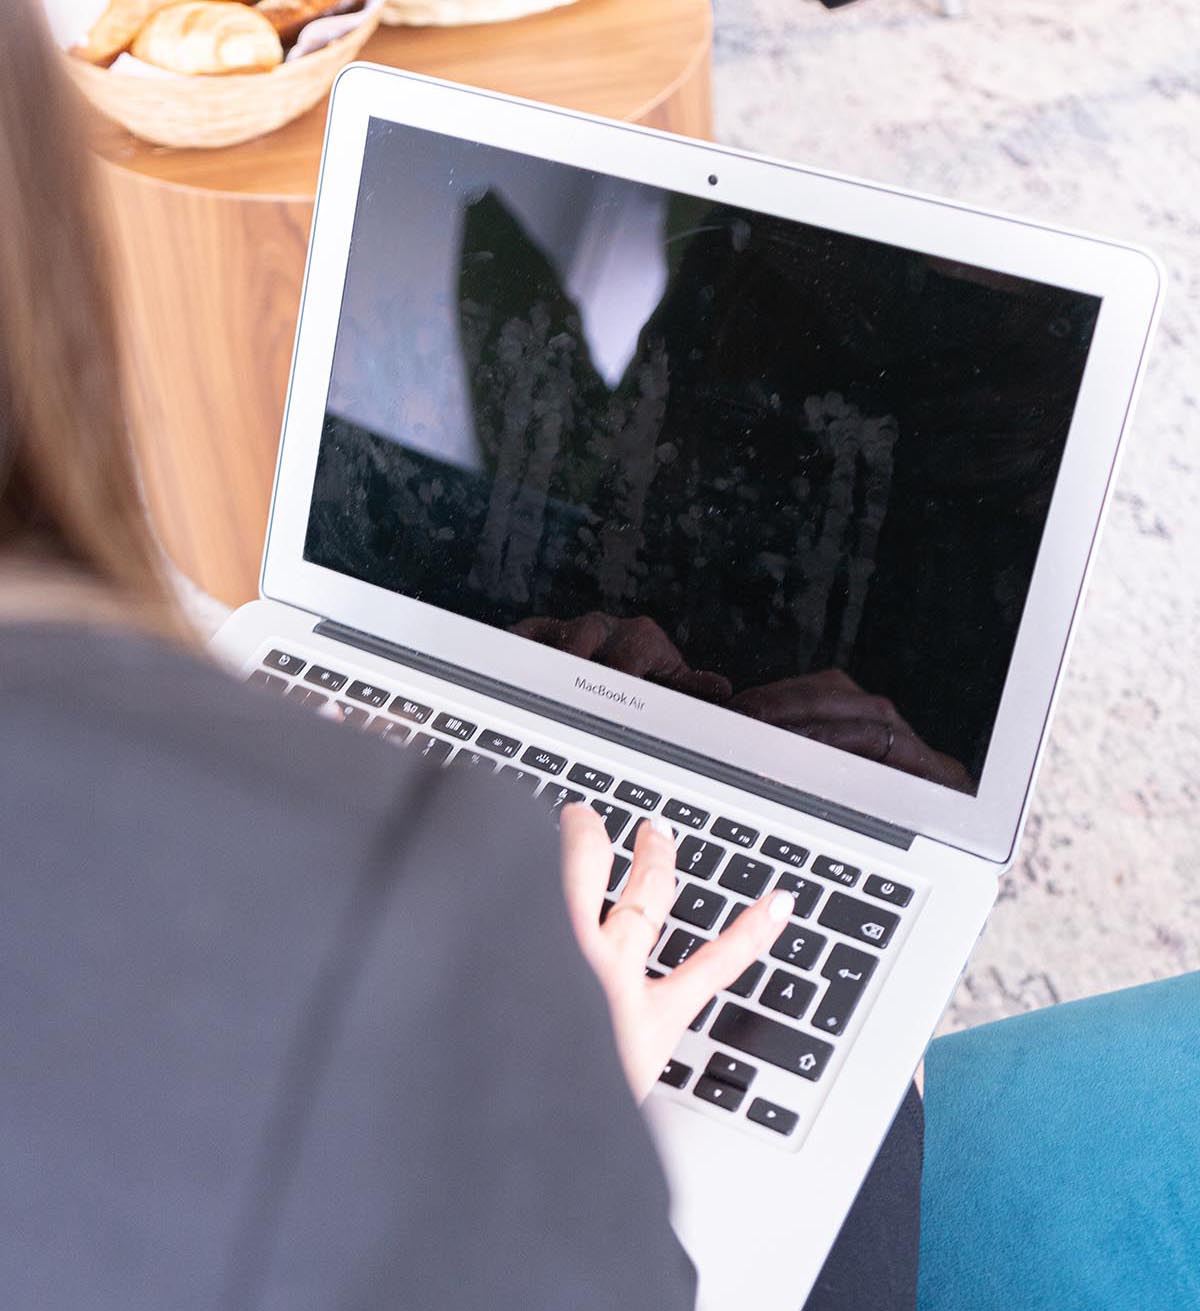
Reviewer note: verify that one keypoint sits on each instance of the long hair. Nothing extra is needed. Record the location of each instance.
(69, 491)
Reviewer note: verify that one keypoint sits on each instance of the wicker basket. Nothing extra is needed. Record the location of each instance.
(455, 13)
(209, 112)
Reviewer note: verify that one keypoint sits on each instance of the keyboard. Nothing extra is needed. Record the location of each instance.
(756, 1052)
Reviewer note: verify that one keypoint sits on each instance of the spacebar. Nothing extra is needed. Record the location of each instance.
(771, 1041)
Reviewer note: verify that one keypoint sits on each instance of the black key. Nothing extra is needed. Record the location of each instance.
(490, 740)
(886, 890)
(614, 818)
(675, 1074)
(389, 730)
(286, 664)
(699, 906)
(682, 813)
(806, 892)
(620, 867)
(836, 871)
(747, 981)
(728, 1069)
(631, 836)
(734, 911)
(413, 711)
(705, 1011)
(354, 715)
(857, 919)
(680, 945)
(462, 729)
(788, 993)
(789, 852)
(432, 748)
(558, 797)
(307, 696)
(749, 877)
(734, 832)
(771, 1116)
(848, 971)
(769, 1040)
(474, 759)
(798, 947)
(272, 682)
(525, 777)
(587, 777)
(719, 1094)
(637, 795)
(542, 759)
(367, 692)
(326, 678)
(605, 908)
(698, 858)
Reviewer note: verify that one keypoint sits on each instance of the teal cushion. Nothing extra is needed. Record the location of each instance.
(1062, 1158)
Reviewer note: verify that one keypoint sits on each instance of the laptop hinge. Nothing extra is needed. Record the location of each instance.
(767, 788)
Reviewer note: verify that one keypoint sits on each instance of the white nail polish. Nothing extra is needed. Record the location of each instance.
(660, 825)
(782, 904)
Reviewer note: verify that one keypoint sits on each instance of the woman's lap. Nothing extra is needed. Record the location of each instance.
(874, 1261)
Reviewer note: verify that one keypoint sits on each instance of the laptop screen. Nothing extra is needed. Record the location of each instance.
(797, 474)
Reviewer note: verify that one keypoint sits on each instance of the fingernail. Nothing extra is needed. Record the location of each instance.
(782, 905)
(663, 827)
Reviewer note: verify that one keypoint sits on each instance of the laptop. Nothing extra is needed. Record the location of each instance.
(644, 472)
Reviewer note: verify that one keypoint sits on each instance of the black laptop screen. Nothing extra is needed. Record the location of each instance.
(798, 474)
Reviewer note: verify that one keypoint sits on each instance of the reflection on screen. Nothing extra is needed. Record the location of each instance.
(796, 474)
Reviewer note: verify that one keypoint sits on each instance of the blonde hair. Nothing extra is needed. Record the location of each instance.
(69, 491)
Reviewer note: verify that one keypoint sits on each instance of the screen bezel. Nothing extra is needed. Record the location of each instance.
(1127, 279)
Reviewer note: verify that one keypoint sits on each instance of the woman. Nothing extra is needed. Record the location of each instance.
(280, 1029)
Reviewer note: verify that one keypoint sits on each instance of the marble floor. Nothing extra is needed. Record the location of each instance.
(1087, 116)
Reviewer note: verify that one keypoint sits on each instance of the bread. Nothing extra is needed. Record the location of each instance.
(289, 17)
(115, 29)
(209, 37)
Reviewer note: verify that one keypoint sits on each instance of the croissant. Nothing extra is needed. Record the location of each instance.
(115, 29)
(209, 37)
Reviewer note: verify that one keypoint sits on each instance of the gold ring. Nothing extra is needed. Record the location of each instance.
(636, 910)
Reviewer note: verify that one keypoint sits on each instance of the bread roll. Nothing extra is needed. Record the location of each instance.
(289, 17)
(115, 29)
(209, 37)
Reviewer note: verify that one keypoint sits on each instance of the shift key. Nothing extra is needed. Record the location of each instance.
(768, 1040)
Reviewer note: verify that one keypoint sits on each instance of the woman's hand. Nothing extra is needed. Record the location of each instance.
(634, 646)
(650, 1015)
(830, 707)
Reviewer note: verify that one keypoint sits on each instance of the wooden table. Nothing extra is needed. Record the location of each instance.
(210, 249)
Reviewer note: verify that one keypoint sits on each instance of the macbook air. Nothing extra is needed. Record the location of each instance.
(646, 473)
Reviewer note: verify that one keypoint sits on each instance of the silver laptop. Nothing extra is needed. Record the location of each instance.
(648, 473)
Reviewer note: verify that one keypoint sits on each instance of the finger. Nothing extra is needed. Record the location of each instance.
(639, 646)
(650, 886)
(697, 682)
(796, 702)
(581, 637)
(686, 990)
(586, 635)
(586, 862)
(864, 737)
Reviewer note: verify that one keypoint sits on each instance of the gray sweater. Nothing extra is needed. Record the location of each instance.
(289, 1020)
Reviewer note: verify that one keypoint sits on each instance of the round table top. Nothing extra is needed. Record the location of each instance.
(618, 58)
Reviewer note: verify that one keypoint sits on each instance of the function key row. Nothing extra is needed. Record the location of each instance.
(696, 856)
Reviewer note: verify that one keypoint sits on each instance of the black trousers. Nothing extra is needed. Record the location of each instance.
(873, 1264)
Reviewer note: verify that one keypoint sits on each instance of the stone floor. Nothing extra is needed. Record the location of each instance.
(1088, 116)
